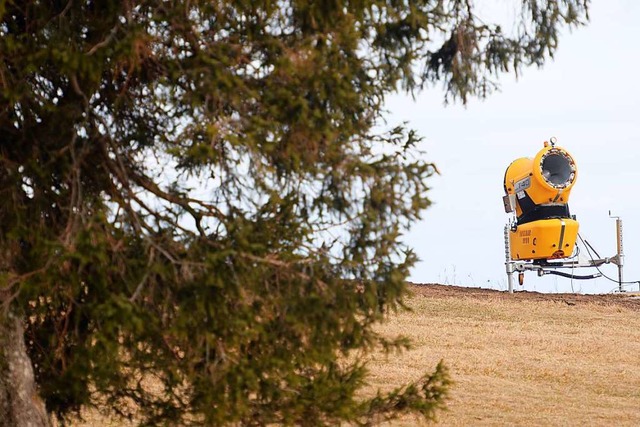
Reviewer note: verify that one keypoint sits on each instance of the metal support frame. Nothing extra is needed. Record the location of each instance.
(545, 268)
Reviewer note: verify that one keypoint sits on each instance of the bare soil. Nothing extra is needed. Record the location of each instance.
(628, 300)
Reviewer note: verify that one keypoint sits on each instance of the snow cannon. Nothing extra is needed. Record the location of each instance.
(537, 192)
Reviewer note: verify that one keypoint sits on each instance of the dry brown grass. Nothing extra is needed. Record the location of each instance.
(523, 359)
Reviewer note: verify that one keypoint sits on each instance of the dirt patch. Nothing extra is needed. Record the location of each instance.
(628, 300)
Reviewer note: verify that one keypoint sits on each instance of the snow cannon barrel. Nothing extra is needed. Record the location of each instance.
(538, 191)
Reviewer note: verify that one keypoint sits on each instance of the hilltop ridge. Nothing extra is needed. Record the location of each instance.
(629, 300)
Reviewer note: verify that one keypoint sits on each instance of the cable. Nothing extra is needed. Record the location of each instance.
(571, 275)
(587, 246)
(592, 248)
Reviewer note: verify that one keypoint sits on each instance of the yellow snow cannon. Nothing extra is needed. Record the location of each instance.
(538, 190)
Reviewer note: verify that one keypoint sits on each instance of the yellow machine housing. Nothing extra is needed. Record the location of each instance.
(538, 190)
(543, 239)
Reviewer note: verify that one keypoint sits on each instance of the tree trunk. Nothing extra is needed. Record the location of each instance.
(20, 404)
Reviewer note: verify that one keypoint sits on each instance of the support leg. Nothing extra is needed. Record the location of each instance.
(508, 262)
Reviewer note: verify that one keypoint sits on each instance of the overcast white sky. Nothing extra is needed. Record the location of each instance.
(588, 97)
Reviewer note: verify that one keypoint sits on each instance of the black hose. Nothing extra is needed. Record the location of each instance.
(573, 276)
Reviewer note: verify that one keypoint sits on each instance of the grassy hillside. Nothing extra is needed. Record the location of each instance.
(522, 359)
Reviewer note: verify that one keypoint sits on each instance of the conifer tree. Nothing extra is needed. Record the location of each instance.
(201, 204)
